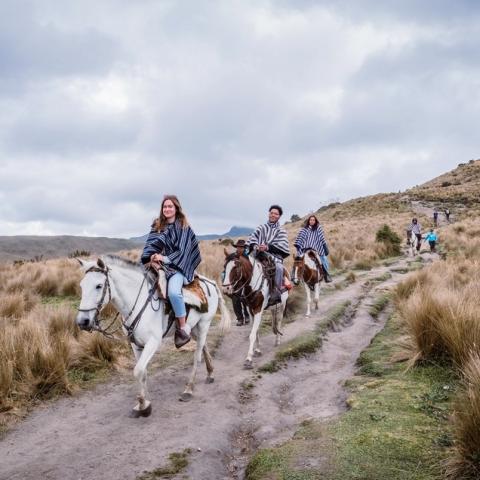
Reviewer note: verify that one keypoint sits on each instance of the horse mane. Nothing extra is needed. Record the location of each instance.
(121, 261)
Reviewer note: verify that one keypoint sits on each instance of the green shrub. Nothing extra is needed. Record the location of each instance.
(390, 239)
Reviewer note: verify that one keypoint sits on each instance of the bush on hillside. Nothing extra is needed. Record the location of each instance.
(390, 239)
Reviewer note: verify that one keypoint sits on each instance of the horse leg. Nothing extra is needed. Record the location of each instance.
(317, 295)
(208, 363)
(144, 407)
(309, 299)
(253, 336)
(279, 318)
(257, 352)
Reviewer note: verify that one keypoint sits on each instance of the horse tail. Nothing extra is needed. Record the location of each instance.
(225, 319)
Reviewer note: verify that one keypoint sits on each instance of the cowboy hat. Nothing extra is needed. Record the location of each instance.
(240, 243)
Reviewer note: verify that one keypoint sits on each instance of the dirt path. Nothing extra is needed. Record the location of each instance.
(91, 436)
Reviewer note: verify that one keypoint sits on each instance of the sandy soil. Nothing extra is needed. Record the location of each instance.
(91, 436)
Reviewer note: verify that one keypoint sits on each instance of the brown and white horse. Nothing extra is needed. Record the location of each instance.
(306, 269)
(244, 276)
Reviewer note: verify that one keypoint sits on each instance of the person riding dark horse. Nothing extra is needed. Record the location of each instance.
(270, 242)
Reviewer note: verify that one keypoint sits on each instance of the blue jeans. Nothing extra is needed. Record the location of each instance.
(324, 260)
(175, 296)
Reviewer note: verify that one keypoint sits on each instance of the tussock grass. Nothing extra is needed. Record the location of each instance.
(40, 344)
(440, 307)
(464, 464)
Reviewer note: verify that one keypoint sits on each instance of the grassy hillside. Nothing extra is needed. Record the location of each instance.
(460, 186)
(26, 247)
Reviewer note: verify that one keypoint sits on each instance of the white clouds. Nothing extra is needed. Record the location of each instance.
(231, 105)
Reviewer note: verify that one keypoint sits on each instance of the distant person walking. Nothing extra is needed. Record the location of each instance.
(435, 217)
(447, 215)
(432, 238)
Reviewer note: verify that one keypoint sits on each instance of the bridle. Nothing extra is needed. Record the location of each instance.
(130, 328)
(234, 285)
(239, 289)
(99, 306)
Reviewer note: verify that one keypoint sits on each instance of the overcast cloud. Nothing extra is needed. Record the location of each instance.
(232, 105)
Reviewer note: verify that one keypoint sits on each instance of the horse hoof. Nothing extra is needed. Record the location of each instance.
(209, 380)
(186, 397)
(247, 364)
(146, 412)
(257, 353)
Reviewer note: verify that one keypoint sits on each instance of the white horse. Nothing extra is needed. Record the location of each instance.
(246, 276)
(122, 282)
(412, 243)
(305, 268)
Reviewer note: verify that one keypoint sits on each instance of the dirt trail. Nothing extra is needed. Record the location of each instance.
(91, 436)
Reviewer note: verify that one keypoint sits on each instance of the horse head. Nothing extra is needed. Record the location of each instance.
(237, 273)
(297, 271)
(96, 293)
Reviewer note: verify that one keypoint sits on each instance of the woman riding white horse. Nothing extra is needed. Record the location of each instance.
(173, 245)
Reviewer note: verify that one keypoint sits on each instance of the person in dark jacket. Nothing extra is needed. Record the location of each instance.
(238, 302)
(173, 246)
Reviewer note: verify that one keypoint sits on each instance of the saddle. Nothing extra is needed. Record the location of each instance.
(268, 266)
(193, 294)
(318, 264)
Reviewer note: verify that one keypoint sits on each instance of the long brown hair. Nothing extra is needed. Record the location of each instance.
(307, 222)
(161, 222)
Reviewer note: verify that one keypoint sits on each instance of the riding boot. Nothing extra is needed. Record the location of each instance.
(240, 322)
(182, 336)
(326, 275)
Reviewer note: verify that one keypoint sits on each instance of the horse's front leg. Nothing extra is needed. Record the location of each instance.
(257, 318)
(201, 337)
(309, 298)
(317, 295)
(144, 407)
(256, 351)
(279, 318)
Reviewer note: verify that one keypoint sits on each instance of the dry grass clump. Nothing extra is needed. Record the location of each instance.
(462, 239)
(47, 279)
(440, 307)
(37, 354)
(465, 461)
(40, 344)
(17, 304)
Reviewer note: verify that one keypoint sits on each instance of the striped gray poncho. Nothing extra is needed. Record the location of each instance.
(178, 244)
(274, 236)
(313, 238)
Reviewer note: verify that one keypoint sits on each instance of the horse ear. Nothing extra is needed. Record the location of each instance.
(101, 264)
(225, 251)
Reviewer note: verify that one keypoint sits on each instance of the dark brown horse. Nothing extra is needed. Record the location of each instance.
(245, 276)
(308, 269)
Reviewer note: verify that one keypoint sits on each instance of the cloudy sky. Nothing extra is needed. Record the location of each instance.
(232, 105)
